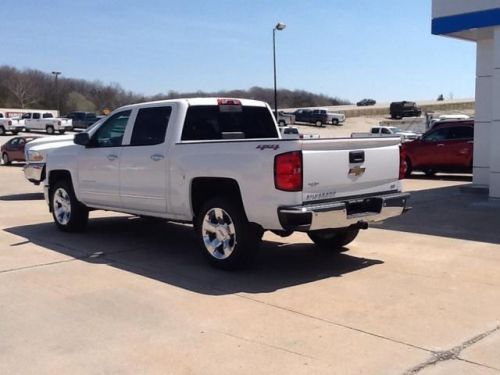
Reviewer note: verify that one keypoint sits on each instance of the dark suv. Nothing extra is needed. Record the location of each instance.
(404, 109)
(82, 120)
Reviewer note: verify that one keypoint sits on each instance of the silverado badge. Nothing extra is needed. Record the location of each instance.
(356, 171)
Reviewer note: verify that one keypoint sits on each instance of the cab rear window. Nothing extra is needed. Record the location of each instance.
(210, 123)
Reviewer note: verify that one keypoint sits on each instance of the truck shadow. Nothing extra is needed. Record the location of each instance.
(169, 253)
(449, 212)
(22, 197)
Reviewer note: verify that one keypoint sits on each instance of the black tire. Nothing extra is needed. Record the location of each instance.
(14, 132)
(62, 131)
(319, 123)
(2, 130)
(333, 239)
(5, 159)
(212, 229)
(408, 167)
(335, 121)
(282, 123)
(49, 130)
(76, 219)
(429, 172)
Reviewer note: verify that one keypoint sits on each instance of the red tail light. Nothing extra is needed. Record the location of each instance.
(402, 162)
(288, 171)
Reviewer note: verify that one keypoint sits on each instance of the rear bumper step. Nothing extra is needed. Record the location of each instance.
(341, 214)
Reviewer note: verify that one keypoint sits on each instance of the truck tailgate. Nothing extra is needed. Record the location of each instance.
(337, 168)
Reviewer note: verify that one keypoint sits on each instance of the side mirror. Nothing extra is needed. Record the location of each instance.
(82, 139)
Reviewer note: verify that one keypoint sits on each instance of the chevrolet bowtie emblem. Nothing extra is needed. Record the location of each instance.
(356, 171)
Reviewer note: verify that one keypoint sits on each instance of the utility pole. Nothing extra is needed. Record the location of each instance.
(279, 26)
(56, 74)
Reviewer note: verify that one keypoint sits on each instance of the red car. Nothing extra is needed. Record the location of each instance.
(13, 150)
(447, 147)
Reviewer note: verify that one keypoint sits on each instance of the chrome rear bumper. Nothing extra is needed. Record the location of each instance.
(342, 214)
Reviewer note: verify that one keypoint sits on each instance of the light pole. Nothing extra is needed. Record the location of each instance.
(56, 74)
(279, 26)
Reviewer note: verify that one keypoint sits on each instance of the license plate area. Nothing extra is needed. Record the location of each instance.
(364, 205)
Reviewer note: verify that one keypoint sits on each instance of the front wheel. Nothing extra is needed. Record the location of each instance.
(333, 239)
(319, 123)
(50, 130)
(226, 238)
(335, 121)
(69, 214)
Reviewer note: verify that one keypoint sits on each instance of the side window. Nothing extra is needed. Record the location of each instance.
(48, 115)
(14, 141)
(110, 133)
(385, 131)
(462, 132)
(374, 131)
(150, 126)
(36, 116)
(438, 135)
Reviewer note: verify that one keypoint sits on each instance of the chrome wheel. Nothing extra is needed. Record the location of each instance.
(219, 234)
(61, 205)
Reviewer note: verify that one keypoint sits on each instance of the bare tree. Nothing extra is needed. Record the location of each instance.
(23, 90)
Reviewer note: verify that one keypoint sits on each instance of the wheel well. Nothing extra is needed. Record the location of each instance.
(205, 188)
(58, 175)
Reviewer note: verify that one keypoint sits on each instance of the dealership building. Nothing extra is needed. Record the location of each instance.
(479, 21)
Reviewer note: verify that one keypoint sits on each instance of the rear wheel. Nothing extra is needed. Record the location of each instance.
(319, 123)
(69, 214)
(2, 130)
(407, 167)
(335, 121)
(226, 238)
(49, 129)
(5, 159)
(62, 131)
(429, 172)
(333, 239)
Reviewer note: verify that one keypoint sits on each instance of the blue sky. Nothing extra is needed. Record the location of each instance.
(351, 49)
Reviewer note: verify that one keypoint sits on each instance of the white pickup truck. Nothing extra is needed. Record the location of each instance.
(46, 122)
(388, 131)
(222, 165)
(9, 125)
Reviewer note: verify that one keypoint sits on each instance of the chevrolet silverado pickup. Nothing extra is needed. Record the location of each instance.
(46, 122)
(222, 165)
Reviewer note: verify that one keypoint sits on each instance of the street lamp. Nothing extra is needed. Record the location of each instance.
(279, 26)
(56, 74)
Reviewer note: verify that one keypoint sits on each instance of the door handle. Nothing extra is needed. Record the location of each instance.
(112, 157)
(157, 157)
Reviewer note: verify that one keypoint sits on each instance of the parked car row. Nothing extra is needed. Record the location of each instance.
(47, 122)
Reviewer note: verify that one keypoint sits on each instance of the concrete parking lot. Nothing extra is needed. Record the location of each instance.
(417, 294)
